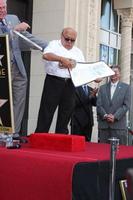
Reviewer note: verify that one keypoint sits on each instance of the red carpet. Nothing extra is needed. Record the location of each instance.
(31, 174)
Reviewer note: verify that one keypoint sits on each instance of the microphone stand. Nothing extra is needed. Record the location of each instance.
(114, 146)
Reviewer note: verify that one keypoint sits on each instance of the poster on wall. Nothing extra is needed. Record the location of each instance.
(6, 103)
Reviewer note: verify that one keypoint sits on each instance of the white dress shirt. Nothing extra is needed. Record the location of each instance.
(113, 88)
(55, 46)
(85, 88)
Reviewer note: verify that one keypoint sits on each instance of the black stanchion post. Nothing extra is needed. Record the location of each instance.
(113, 148)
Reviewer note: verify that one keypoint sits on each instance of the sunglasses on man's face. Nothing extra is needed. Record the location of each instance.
(68, 39)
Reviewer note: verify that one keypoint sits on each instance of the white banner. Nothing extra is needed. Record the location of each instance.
(84, 73)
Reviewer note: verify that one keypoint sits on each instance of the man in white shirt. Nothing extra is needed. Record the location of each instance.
(58, 87)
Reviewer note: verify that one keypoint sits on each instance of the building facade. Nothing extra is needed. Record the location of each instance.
(104, 33)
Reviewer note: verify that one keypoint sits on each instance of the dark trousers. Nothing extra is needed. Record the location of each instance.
(78, 129)
(105, 134)
(56, 92)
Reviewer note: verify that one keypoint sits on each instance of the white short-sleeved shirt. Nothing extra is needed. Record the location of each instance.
(55, 46)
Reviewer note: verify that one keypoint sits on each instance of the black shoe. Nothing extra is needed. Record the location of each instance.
(20, 139)
(23, 140)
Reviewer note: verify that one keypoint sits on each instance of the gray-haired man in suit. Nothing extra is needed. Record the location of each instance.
(113, 102)
(19, 77)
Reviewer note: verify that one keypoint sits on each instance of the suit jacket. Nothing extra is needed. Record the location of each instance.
(18, 44)
(118, 106)
(83, 113)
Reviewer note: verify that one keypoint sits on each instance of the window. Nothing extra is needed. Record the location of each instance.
(109, 34)
(105, 14)
(109, 18)
(108, 54)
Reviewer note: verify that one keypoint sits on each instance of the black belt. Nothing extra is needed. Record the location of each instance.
(59, 78)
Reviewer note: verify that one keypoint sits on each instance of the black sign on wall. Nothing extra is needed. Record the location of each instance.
(6, 103)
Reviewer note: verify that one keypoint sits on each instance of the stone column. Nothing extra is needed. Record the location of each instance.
(126, 36)
(84, 16)
(125, 54)
(131, 110)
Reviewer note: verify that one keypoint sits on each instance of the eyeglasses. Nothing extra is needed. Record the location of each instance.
(68, 39)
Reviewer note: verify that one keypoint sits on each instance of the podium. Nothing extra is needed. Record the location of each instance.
(6, 102)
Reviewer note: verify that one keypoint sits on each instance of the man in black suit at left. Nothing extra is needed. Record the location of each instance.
(82, 117)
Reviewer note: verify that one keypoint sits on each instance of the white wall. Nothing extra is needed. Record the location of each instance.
(48, 21)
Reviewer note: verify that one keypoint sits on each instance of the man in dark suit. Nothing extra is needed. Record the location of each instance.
(113, 102)
(82, 118)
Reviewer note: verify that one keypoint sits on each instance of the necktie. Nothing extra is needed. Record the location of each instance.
(4, 27)
(85, 88)
(113, 87)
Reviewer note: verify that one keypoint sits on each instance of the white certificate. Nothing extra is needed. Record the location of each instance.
(84, 73)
